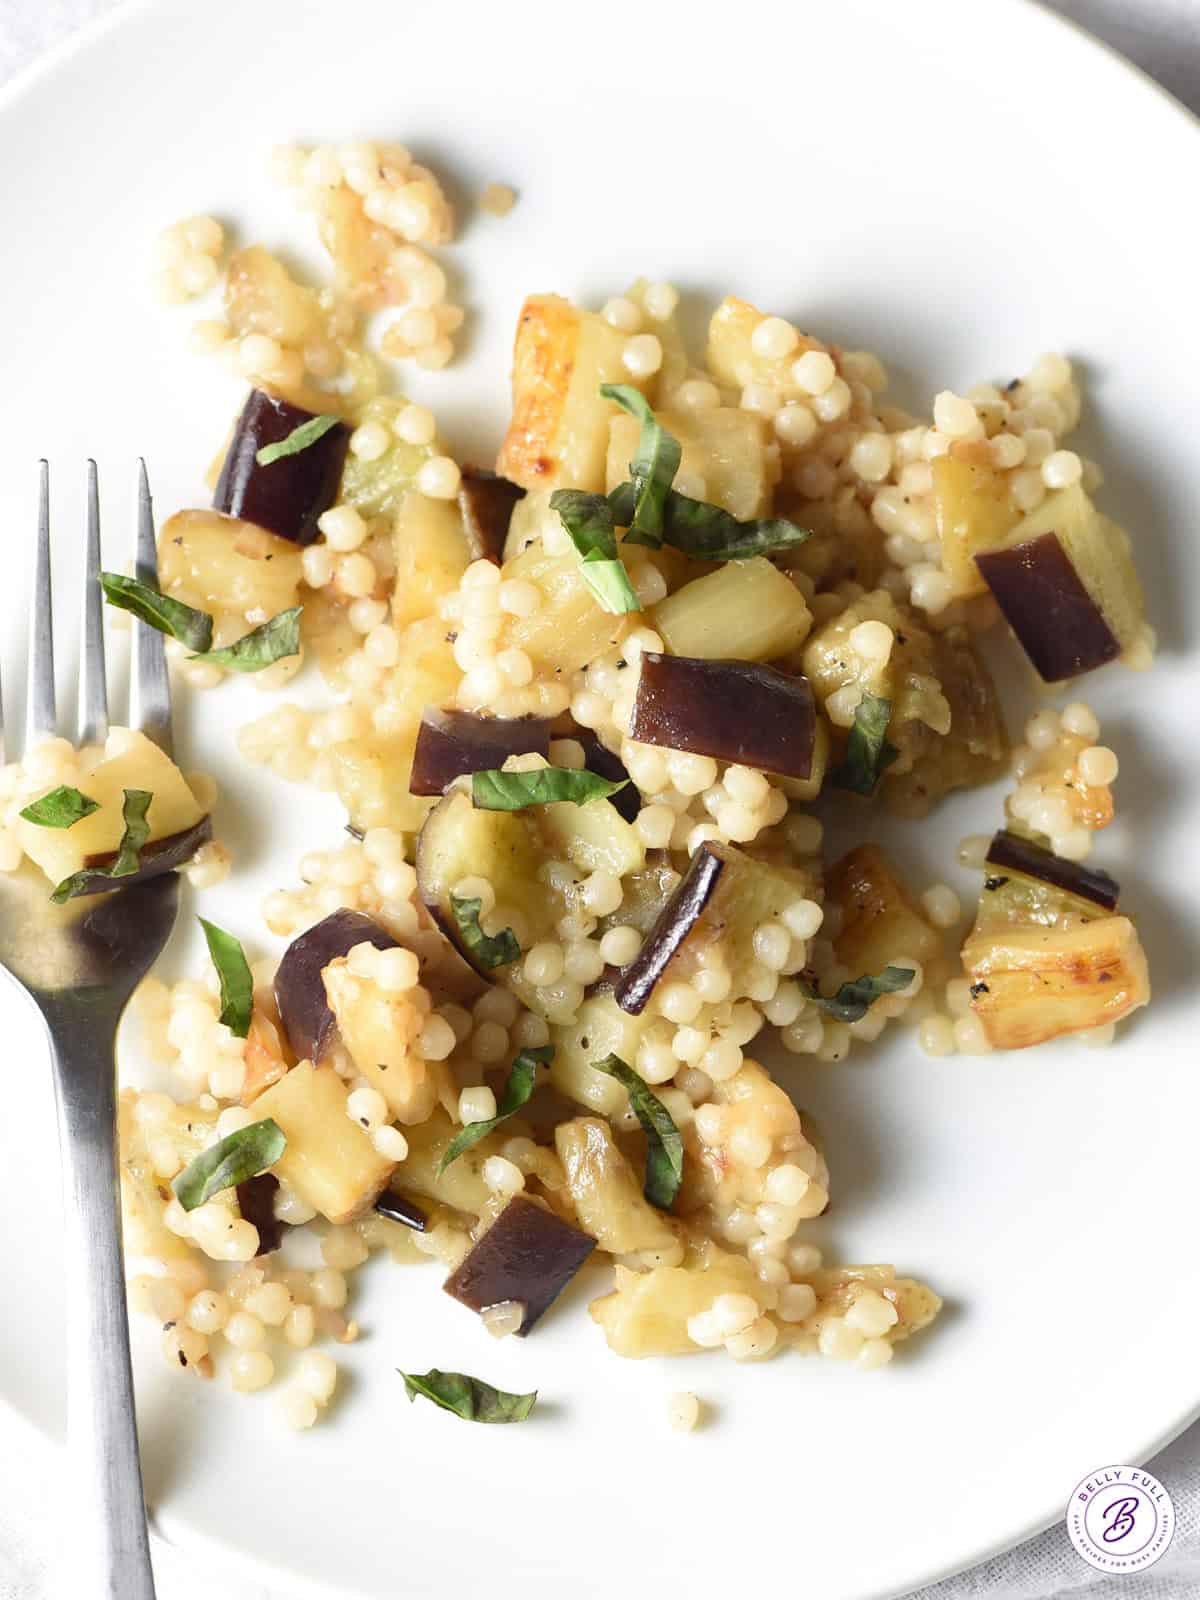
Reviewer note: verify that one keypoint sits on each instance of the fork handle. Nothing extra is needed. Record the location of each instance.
(109, 1536)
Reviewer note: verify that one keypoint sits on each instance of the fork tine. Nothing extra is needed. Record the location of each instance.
(93, 682)
(150, 690)
(41, 719)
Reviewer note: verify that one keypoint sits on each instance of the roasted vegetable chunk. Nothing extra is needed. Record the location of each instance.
(287, 495)
(528, 1255)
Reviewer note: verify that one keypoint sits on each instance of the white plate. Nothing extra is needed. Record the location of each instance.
(956, 187)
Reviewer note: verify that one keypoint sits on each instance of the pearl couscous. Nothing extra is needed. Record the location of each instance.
(589, 714)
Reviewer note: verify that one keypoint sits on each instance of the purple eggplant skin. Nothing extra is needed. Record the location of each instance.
(598, 758)
(1009, 852)
(299, 990)
(397, 1209)
(256, 1202)
(452, 743)
(672, 926)
(1057, 623)
(289, 495)
(155, 858)
(528, 1254)
(486, 501)
(738, 711)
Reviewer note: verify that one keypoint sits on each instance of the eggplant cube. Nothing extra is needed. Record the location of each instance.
(304, 1008)
(974, 513)
(744, 611)
(330, 1160)
(528, 1255)
(882, 922)
(737, 711)
(451, 744)
(1067, 586)
(288, 494)
(174, 815)
(486, 501)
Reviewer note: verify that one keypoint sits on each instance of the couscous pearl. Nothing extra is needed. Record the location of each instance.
(722, 1060)
(601, 893)
(813, 372)
(683, 1412)
(660, 300)
(750, 1147)
(297, 1409)
(1097, 765)
(251, 1370)
(872, 640)
(270, 1304)
(504, 1318)
(797, 1302)
(678, 1002)
(969, 1036)
(544, 963)
(833, 402)
(772, 944)
(476, 1104)
(697, 394)
(872, 1314)
(941, 906)
(871, 457)
(733, 1312)
(390, 1143)
(436, 1039)
(317, 1375)
(356, 575)
(1079, 719)
(369, 441)
(795, 425)
(761, 398)
(343, 528)
(930, 589)
(774, 339)
(246, 1331)
(300, 1326)
(415, 425)
(874, 1354)
(758, 1340)
(329, 1288)
(839, 1340)
(439, 479)
(622, 314)
(502, 1176)
(642, 355)
(654, 826)
(954, 415)
(1042, 731)
(935, 1035)
(786, 1185)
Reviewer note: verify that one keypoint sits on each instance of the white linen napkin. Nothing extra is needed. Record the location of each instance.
(1162, 37)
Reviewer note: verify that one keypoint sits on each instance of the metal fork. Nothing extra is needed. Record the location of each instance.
(79, 963)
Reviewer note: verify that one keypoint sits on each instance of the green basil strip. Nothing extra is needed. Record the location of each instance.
(299, 439)
(867, 749)
(191, 627)
(137, 831)
(493, 790)
(706, 532)
(664, 1143)
(522, 1080)
(271, 641)
(468, 1397)
(233, 1160)
(855, 997)
(588, 519)
(61, 808)
(652, 468)
(489, 950)
(237, 983)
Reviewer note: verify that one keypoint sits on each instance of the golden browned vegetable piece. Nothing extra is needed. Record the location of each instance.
(881, 920)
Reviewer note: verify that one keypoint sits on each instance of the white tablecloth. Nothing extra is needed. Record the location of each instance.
(1163, 37)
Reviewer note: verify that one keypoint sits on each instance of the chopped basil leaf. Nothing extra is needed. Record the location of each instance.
(191, 627)
(588, 518)
(709, 533)
(467, 1397)
(237, 984)
(271, 641)
(232, 1160)
(867, 749)
(61, 808)
(855, 997)
(492, 790)
(137, 831)
(664, 1143)
(522, 1080)
(652, 468)
(299, 439)
(490, 950)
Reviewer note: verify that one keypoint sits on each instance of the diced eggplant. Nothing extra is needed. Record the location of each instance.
(287, 496)
(744, 611)
(509, 849)
(605, 763)
(155, 858)
(724, 894)
(881, 920)
(330, 1161)
(1009, 852)
(1046, 604)
(304, 1009)
(736, 711)
(396, 1208)
(528, 1255)
(256, 1202)
(486, 501)
(1067, 586)
(451, 743)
